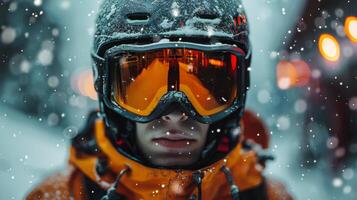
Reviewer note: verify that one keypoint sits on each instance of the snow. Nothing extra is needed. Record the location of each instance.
(37, 2)
(264, 96)
(112, 11)
(28, 152)
(53, 81)
(187, 30)
(300, 106)
(166, 24)
(353, 103)
(31, 152)
(8, 35)
(13, 7)
(45, 57)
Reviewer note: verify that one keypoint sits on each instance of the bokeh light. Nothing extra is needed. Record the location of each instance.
(83, 83)
(303, 71)
(286, 75)
(329, 47)
(295, 73)
(351, 28)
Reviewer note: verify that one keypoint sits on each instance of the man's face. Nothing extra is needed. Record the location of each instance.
(172, 140)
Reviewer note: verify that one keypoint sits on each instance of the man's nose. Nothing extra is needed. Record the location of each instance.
(175, 116)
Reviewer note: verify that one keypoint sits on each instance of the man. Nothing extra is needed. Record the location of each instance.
(172, 78)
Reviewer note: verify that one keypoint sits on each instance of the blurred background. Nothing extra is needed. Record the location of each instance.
(304, 86)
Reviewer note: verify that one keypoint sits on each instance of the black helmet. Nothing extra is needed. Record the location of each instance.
(211, 28)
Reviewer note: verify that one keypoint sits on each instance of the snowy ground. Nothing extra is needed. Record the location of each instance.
(28, 153)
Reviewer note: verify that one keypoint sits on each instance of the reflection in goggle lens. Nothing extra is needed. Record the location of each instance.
(208, 79)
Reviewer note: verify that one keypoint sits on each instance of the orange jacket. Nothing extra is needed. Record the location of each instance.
(142, 182)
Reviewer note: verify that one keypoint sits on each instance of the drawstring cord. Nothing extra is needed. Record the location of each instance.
(111, 192)
(197, 178)
(234, 188)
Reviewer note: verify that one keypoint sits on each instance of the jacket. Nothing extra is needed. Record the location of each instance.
(237, 176)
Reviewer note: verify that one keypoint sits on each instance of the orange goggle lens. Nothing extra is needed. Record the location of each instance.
(208, 79)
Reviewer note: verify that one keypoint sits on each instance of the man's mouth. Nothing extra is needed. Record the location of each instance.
(173, 143)
(174, 139)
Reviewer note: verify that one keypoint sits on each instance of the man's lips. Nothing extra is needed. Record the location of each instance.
(177, 143)
(174, 139)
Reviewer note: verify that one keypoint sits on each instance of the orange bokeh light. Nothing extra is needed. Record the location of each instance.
(84, 84)
(295, 73)
(329, 47)
(287, 75)
(351, 28)
(303, 71)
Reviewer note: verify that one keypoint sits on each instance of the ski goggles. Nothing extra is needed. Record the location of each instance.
(208, 81)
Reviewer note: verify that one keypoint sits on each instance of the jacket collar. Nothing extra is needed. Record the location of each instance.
(149, 182)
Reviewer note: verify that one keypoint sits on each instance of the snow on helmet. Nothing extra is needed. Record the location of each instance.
(209, 39)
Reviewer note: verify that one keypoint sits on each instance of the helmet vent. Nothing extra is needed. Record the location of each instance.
(138, 17)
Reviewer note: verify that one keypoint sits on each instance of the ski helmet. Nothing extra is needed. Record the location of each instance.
(152, 55)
